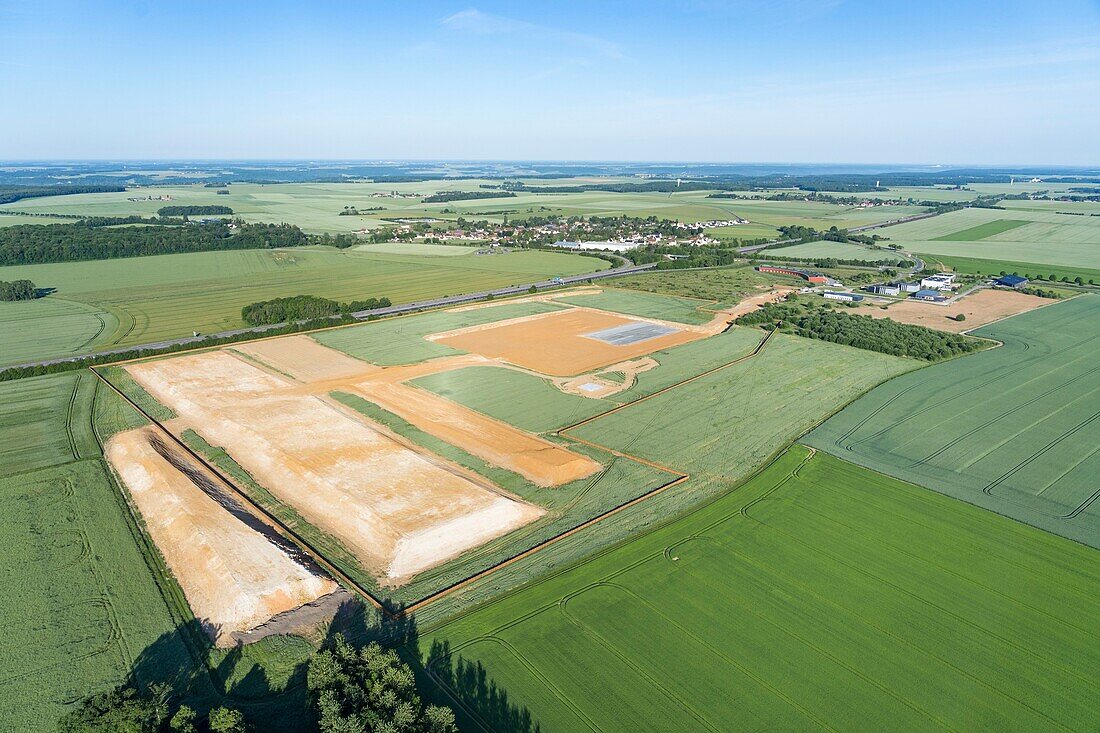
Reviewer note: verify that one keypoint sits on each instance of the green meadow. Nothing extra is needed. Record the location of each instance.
(817, 596)
(142, 299)
(1036, 239)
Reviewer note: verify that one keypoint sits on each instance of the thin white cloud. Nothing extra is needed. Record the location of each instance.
(475, 21)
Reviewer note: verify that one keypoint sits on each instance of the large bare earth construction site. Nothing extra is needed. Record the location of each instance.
(399, 479)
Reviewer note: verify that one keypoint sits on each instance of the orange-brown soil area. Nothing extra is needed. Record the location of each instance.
(398, 509)
(984, 306)
(555, 343)
(234, 577)
(536, 459)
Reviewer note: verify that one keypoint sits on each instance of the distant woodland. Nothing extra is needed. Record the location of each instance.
(100, 239)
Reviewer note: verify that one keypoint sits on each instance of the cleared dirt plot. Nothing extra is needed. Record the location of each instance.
(1014, 429)
(303, 359)
(402, 340)
(235, 577)
(818, 596)
(539, 461)
(562, 344)
(984, 306)
(398, 509)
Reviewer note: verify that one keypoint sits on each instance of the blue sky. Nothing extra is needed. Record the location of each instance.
(961, 82)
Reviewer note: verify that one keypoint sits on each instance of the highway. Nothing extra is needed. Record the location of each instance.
(359, 315)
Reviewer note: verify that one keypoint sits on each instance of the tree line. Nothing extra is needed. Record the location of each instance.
(16, 193)
(304, 307)
(364, 690)
(93, 239)
(194, 210)
(444, 196)
(863, 332)
(18, 290)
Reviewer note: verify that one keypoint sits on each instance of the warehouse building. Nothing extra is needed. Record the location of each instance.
(929, 295)
(814, 277)
(1012, 281)
(846, 297)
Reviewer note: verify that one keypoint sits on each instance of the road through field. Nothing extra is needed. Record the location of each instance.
(360, 315)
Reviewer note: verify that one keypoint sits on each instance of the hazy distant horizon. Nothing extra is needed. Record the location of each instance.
(1002, 83)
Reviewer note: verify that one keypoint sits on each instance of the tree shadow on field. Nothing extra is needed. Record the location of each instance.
(483, 703)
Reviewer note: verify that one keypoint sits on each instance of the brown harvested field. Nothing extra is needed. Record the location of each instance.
(984, 306)
(399, 510)
(536, 459)
(234, 578)
(302, 358)
(555, 344)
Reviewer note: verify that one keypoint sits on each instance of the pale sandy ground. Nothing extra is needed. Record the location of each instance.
(234, 578)
(984, 306)
(304, 359)
(342, 473)
(751, 303)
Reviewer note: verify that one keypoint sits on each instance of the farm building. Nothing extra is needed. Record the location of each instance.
(846, 297)
(942, 281)
(814, 277)
(930, 295)
(1012, 281)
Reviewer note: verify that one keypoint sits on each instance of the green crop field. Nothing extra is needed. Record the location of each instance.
(80, 608)
(995, 267)
(818, 596)
(723, 426)
(317, 207)
(1015, 429)
(981, 231)
(646, 305)
(1039, 238)
(518, 398)
(143, 299)
(44, 421)
(401, 340)
(51, 326)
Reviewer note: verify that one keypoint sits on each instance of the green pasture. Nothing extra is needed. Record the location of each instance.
(838, 250)
(142, 299)
(981, 231)
(401, 340)
(1014, 429)
(723, 426)
(727, 285)
(818, 596)
(646, 305)
(417, 248)
(517, 398)
(1038, 237)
